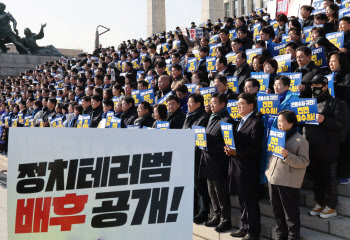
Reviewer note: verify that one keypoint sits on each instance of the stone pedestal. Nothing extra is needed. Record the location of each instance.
(14, 64)
(212, 9)
(155, 16)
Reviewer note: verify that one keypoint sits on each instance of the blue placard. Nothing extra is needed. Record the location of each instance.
(165, 47)
(284, 63)
(295, 80)
(274, 23)
(232, 83)
(59, 99)
(263, 78)
(136, 95)
(143, 56)
(27, 121)
(268, 104)
(308, 33)
(337, 38)
(233, 34)
(201, 137)
(279, 49)
(276, 141)
(138, 74)
(84, 121)
(163, 99)
(213, 48)
(259, 11)
(20, 117)
(135, 63)
(231, 58)
(191, 87)
(330, 78)
(210, 62)
(345, 3)
(147, 95)
(115, 122)
(252, 53)
(256, 29)
(206, 93)
(191, 64)
(213, 39)
(305, 109)
(315, 12)
(109, 117)
(319, 57)
(285, 38)
(232, 108)
(133, 126)
(227, 133)
(344, 12)
(176, 44)
(163, 125)
(318, 4)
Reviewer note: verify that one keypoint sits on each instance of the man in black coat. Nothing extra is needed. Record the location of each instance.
(243, 70)
(97, 110)
(198, 117)
(144, 112)
(86, 104)
(221, 69)
(129, 112)
(214, 164)
(163, 86)
(305, 12)
(202, 63)
(176, 117)
(308, 70)
(245, 165)
(50, 113)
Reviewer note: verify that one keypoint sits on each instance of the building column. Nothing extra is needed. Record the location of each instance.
(155, 16)
(212, 9)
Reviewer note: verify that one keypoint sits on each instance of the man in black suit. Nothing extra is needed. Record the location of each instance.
(243, 70)
(244, 167)
(214, 164)
(221, 69)
(202, 63)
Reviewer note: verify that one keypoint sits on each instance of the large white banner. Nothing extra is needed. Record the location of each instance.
(106, 184)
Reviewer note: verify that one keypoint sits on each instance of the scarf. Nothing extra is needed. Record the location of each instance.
(291, 132)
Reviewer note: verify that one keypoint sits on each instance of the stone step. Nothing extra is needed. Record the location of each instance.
(268, 229)
(307, 199)
(344, 189)
(339, 226)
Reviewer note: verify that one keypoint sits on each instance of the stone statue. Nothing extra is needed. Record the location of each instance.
(6, 33)
(29, 41)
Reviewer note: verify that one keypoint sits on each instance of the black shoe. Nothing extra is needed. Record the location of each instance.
(238, 234)
(213, 222)
(224, 226)
(200, 218)
(251, 237)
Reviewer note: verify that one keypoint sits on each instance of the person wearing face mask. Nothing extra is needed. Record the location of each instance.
(285, 176)
(324, 140)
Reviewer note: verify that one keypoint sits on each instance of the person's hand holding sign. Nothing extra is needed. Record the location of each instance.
(229, 151)
(319, 118)
(344, 50)
(284, 152)
(301, 88)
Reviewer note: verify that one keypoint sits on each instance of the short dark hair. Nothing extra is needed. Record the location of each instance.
(243, 54)
(173, 97)
(290, 116)
(129, 100)
(255, 82)
(222, 59)
(284, 79)
(108, 103)
(221, 96)
(308, 8)
(297, 31)
(147, 105)
(53, 100)
(249, 98)
(86, 98)
(273, 63)
(307, 51)
(97, 98)
(197, 98)
(346, 18)
(221, 78)
(182, 88)
(143, 82)
(204, 49)
(177, 67)
(293, 45)
(225, 31)
(282, 18)
(161, 64)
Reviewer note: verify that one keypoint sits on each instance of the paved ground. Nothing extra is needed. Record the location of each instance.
(3, 198)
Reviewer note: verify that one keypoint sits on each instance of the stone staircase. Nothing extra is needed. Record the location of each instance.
(313, 228)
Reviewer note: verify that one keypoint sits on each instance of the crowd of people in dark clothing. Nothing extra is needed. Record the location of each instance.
(105, 83)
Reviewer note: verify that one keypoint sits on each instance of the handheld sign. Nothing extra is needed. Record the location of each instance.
(227, 133)
(232, 83)
(305, 109)
(268, 104)
(165, 47)
(135, 63)
(176, 44)
(213, 39)
(295, 80)
(232, 108)
(285, 38)
(191, 87)
(263, 79)
(344, 12)
(84, 121)
(115, 122)
(20, 118)
(279, 49)
(147, 95)
(233, 34)
(143, 56)
(276, 141)
(109, 119)
(336, 38)
(319, 57)
(213, 49)
(210, 61)
(41, 122)
(7, 121)
(231, 58)
(206, 93)
(59, 99)
(116, 100)
(56, 123)
(191, 64)
(14, 122)
(256, 29)
(163, 99)
(136, 95)
(330, 78)
(308, 33)
(201, 137)
(317, 4)
(252, 53)
(163, 125)
(345, 3)
(149, 80)
(284, 63)
(27, 121)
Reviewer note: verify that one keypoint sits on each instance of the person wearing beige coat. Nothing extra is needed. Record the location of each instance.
(285, 177)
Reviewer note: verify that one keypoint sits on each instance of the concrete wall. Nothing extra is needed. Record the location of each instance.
(155, 16)
(212, 9)
(14, 64)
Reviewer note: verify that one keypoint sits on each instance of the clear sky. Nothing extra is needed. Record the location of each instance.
(72, 23)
